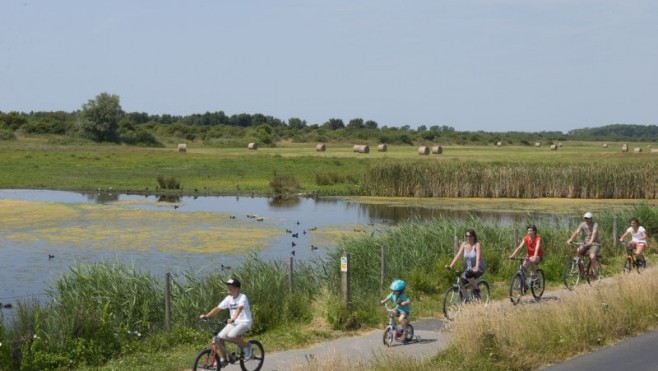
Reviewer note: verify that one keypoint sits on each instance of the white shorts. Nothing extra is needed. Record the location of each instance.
(233, 330)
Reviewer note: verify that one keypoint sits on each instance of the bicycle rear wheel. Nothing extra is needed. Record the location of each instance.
(537, 285)
(452, 302)
(409, 336)
(594, 277)
(571, 274)
(206, 361)
(257, 357)
(483, 287)
(516, 289)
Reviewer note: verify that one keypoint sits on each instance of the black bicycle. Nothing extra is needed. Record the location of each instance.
(631, 261)
(461, 293)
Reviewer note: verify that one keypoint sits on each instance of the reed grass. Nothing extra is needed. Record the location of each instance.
(512, 180)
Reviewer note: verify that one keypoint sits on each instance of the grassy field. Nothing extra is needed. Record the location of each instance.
(40, 163)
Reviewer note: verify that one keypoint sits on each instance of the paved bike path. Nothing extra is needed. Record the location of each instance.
(359, 349)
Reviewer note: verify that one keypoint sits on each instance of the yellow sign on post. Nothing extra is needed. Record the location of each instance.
(343, 263)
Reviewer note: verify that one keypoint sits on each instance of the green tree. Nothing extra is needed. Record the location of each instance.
(100, 118)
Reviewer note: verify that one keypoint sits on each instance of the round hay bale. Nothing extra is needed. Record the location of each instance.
(553, 147)
(605, 145)
(499, 144)
(437, 150)
(423, 150)
(355, 148)
(537, 144)
(654, 150)
(320, 147)
(559, 145)
(182, 147)
(624, 148)
(364, 148)
(252, 146)
(382, 147)
(637, 150)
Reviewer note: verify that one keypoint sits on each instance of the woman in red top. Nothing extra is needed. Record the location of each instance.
(534, 253)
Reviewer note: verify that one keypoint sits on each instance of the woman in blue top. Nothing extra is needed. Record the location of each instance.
(402, 304)
(474, 266)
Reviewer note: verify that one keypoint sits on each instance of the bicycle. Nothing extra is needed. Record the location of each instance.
(461, 293)
(631, 262)
(393, 333)
(520, 284)
(576, 270)
(209, 358)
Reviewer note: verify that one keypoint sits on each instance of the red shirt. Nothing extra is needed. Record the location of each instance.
(531, 245)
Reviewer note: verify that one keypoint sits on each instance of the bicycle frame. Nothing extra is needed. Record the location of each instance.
(631, 261)
(520, 283)
(209, 358)
(392, 332)
(459, 294)
(576, 269)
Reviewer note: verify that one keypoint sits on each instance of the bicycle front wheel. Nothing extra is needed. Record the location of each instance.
(571, 274)
(206, 361)
(452, 303)
(516, 289)
(257, 357)
(388, 337)
(537, 285)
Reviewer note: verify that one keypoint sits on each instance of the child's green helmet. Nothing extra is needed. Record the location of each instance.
(398, 285)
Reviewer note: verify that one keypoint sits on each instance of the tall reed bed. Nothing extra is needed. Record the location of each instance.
(512, 180)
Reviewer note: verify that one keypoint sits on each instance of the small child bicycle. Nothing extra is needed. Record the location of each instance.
(393, 333)
(208, 359)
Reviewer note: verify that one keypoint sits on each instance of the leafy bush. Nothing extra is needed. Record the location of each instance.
(168, 182)
(284, 184)
(6, 134)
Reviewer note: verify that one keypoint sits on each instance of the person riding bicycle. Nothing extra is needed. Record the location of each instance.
(238, 323)
(638, 240)
(534, 253)
(589, 231)
(402, 304)
(474, 265)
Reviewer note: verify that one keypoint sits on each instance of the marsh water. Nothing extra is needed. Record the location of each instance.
(43, 233)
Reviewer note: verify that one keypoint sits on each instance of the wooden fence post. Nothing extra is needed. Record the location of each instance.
(455, 245)
(290, 270)
(382, 276)
(516, 237)
(345, 278)
(168, 301)
(614, 232)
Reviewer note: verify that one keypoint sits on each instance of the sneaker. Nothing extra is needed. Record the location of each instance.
(223, 363)
(476, 294)
(247, 352)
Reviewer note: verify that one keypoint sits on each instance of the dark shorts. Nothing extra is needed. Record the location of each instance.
(473, 274)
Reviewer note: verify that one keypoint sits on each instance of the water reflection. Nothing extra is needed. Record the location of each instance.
(284, 202)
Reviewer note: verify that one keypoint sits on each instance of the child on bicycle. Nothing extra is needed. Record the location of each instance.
(534, 253)
(402, 304)
(638, 240)
(238, 323)
(474, 266)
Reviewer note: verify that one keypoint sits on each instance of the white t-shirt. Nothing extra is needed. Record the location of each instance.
(232, 305)
(637, 236)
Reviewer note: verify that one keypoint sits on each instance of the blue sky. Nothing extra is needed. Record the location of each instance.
(495, 65)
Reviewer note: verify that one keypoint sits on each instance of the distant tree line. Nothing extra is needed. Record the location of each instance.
(103, 120)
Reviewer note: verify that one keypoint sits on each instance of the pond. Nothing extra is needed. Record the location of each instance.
(43, 232)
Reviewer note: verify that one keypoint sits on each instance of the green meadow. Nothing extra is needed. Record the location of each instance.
(42, 163)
